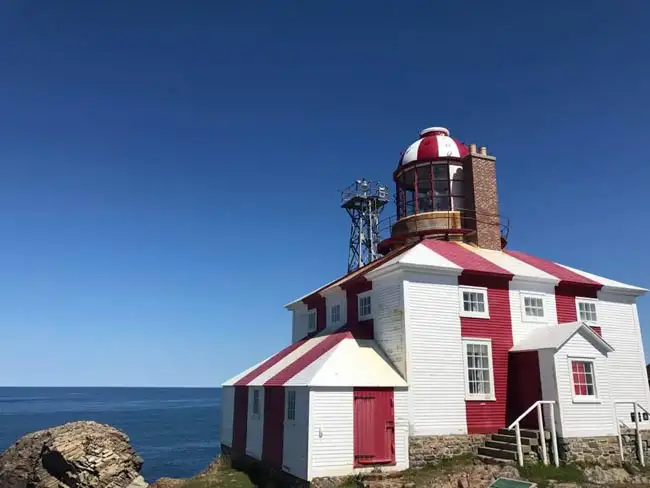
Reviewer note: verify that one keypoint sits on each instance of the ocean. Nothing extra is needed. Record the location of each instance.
(175, 430)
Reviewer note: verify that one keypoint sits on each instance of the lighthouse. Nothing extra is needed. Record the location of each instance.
(441, 341)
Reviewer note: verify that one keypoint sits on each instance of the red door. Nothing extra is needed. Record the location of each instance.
(374, 426)
(273, 434)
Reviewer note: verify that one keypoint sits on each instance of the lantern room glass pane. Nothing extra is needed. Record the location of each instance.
(425, 201)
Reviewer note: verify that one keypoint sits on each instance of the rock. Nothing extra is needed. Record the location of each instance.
(600, 476)
(74, 455)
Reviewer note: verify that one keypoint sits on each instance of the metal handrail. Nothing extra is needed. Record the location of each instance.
(542, 436)
(639, 441)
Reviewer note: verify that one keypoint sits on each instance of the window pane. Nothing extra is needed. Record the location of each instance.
(441, 172)
(441, 204)
(441, 188)
(584, 382)
(478, 369)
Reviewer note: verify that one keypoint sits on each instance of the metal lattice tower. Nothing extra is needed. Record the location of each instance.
(363, 200)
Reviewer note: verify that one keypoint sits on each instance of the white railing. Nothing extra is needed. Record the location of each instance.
(639, 440)
(542, 434)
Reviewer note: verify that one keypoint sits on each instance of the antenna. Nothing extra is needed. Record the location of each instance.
(364, 200)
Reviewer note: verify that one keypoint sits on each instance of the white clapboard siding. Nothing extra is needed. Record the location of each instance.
(331, 437)
(331, 442)
(255, 425)
(521, 325)
(296, 435)
(389, 322)
(227, 406)
(584, 419)
(435, 360)
(617, 316)
(546, 359)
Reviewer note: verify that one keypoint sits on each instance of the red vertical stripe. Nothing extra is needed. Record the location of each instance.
(565, 300)
(306, 359)
(240, 420)
(317, 302)
(273, 436)
(428, 148)
(364, 329)
(489, 416)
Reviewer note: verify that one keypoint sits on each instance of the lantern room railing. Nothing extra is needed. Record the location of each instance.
(448, 222)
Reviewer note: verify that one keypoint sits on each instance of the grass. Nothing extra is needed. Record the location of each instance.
(429, 471)
(218, 476)
(227, 478)
(540, 474)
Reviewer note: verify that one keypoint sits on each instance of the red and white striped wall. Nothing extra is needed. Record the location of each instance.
(435, 330)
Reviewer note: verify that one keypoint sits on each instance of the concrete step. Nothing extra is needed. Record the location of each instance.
(497, 453)
(525, 441)
(491, 460)
(507, 446)
(528, 433)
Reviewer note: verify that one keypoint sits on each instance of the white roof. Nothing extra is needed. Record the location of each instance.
(554, 337)
(608, 285)
(353, 363)
(330, 358)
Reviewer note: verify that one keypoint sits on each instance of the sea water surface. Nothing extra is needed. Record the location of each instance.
(175, 430)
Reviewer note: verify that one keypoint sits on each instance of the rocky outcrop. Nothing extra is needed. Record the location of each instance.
(74, 455)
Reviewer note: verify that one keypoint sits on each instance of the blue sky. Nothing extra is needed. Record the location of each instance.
(169, 170)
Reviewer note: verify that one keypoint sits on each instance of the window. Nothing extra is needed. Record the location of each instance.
(532, 307)
(291, 405)
(584, 382)
(365, 306)
(587, 310)
(311, 321)
(479, 376)
(474, 302)
(256, 402)
(335, 314)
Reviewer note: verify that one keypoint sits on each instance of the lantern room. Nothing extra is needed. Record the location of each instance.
(430, 174)
(447, 189)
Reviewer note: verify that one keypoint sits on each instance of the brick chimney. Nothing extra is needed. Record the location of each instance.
(479, 169)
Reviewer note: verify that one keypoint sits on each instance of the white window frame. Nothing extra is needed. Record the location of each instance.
(473, 289)
(255, 402)
(360, 297)
(478, 396)
(291, 405)
(312, 313)
(583, 398)
(593, 301)
(336, 306)
(529, 318)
